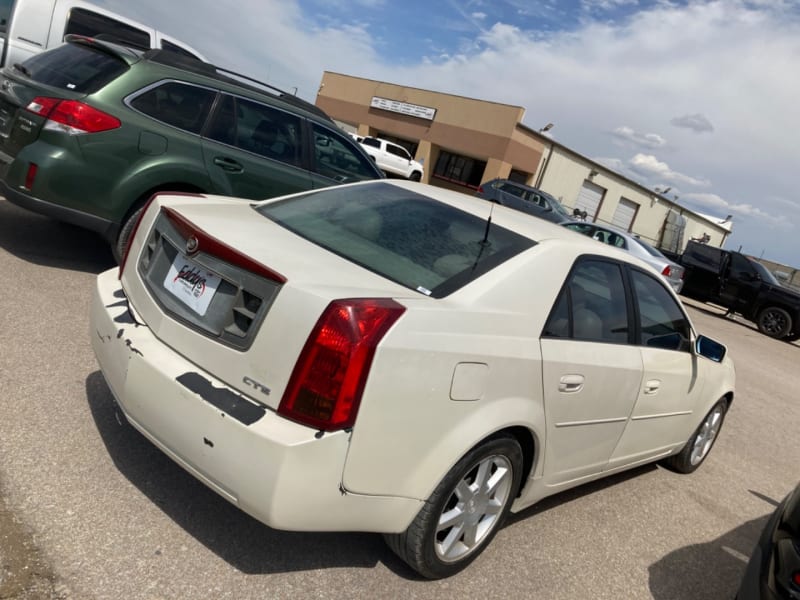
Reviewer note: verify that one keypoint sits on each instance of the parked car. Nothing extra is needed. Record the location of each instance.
(28, 27)
(773, 572)
(398, 358)
(524, 198)
(90, 130)
(670, 270)
(742, 285)
(392, 158)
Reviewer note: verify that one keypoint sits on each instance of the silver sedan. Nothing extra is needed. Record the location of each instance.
(671, 271)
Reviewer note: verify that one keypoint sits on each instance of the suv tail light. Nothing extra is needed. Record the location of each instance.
(667, 271)
(325, 388)
(71, 116)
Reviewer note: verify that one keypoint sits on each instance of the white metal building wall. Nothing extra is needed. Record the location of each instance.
(589, 199)
(624, 214)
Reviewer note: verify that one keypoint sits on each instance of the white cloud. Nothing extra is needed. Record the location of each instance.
(649, 165)
(647, 140)
(744, 210)
(480, 16)
(697, 123)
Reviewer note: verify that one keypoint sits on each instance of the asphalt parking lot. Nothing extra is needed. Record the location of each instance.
(91, 510)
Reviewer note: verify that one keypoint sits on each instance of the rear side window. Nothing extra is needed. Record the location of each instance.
(75, 67)
(368, 141)
(397, 151)
(592, 305)
(259, 129)
(178, 104)
(92, 24)
(409, 238)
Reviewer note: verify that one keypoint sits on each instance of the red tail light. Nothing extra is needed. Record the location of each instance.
(667, 271)
(71, 116)
(480, 189)
(325, 388)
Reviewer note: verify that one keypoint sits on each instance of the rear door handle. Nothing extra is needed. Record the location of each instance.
(228, 164)
(570, 383)
(652, 386)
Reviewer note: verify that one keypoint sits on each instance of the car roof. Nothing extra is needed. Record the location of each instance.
(527, 187)
(234, 80)
(223, 78)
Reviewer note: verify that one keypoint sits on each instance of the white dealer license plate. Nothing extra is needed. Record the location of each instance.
(191, 284)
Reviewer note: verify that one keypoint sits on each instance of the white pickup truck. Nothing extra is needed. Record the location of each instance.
(392, 158)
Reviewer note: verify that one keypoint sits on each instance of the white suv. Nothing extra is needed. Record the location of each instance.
(392, 158)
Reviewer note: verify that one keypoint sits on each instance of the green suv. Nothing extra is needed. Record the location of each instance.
(90, 130)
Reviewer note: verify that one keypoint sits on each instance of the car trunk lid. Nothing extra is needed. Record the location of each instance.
(227, 306)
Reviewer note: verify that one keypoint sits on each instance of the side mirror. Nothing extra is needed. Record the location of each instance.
(710, 349)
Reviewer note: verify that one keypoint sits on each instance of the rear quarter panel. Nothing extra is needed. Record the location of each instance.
(410, 431)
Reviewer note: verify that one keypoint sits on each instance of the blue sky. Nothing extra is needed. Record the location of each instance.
(700, 97)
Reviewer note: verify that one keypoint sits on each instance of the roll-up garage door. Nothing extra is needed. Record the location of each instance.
(623, 216)
(589, 199)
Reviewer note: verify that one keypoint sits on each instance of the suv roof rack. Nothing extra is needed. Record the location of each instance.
(173, 59)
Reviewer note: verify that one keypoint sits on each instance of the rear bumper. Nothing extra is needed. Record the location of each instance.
(104, 227)
(279, 472)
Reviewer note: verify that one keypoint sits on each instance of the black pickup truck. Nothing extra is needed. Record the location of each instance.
(743, 286)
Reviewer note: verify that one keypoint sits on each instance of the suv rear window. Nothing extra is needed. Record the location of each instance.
(409, 238)
(74, 67)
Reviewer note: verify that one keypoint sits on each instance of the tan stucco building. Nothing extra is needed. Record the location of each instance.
(464, 142)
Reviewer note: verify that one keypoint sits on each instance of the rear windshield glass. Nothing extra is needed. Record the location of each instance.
(407, 237)
(74, 67)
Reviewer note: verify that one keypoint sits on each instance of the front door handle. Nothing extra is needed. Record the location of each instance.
(570, 384)
(228, 164)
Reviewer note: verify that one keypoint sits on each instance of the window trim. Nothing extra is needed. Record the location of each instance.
(631, 304)
(128, 100)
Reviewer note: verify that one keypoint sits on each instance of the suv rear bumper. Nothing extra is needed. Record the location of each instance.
(284, 474)
(104, 227)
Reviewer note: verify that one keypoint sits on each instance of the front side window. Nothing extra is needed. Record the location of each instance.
(662, 323)
(336, 157)
(178, 104)
(591, 305)
(92, 24)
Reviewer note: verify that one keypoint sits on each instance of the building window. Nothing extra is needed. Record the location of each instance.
(519, 176)
(459, 169)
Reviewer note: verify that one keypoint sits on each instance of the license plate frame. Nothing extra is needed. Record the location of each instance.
(191, 283)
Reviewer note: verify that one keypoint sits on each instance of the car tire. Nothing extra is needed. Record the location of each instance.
(464, 512)
(415, 176)
(699, 445)
(774, 322)
(125, 232)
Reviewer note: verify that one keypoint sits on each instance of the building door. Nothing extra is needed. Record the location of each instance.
(589, 199)
(625, 213)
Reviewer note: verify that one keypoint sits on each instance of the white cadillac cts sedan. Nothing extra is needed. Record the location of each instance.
(397, 358)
